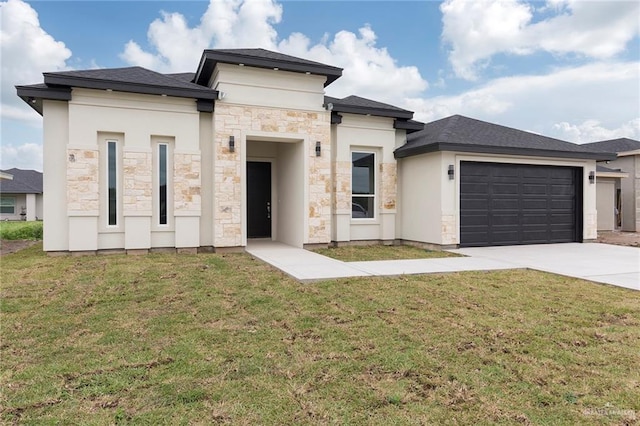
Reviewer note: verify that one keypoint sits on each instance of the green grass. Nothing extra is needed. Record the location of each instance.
(20, 230)
(381, 252)
(201, 339)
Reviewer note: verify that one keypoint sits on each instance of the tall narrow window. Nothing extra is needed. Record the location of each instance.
(162, 181)
(363, 185)
(112, 179)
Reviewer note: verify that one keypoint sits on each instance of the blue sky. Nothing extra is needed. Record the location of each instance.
(564, 68)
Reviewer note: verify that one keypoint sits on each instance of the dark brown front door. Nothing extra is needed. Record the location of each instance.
(258, 199)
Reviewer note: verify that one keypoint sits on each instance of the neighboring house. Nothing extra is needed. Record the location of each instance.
(628, 161)
(609, 197)
(250, 147)
(21, 195)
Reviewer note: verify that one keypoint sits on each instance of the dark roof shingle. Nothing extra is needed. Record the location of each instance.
(262, 58)
(24, 182)
(614, 145)
(359, 105)
(459, 133)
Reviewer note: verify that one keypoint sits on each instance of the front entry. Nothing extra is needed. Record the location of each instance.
(258, 199)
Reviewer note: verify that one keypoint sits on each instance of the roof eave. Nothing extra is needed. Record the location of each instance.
(629, 153)
(210, 59)
(611, 174)
(409, 126)
(379, 112)
(485, 149)
(121, 86)
(34, 95)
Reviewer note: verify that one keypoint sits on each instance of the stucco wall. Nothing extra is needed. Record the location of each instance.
(76, 169)
(364, 134)
(605, 203)
(630, 188)
(430, 202)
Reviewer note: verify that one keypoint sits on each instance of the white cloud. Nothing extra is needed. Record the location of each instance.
(475, 31)
(369, 70)
(26, 50)
(225, 24)
(541, 103)
(23, 156)
(593, 131)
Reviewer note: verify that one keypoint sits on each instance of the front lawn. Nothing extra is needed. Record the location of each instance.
(360, 253)
(19, 230)
(201, 339)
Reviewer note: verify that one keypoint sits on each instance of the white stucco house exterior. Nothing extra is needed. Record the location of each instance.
(21, 195)
(620, 182)
(249, 147)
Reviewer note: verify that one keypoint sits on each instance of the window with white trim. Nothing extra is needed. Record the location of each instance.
(363, 185)
(8, 205)
(163, 181)
(112, 183)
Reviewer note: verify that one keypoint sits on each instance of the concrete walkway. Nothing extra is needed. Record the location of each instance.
(307, 266)
(603, 263)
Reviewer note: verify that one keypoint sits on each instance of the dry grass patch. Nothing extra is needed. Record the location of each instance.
(381, 252)
(165, 339)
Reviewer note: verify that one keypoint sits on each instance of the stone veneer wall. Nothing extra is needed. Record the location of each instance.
(83, 187)
(137, 182)
(342, 187)
(236, 120)
(389, 185)
(186, 183)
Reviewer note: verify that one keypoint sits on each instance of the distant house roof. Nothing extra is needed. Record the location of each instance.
(24, 182)
(615, 145)
(261, 58)
(57, 85)
(606, 172)
(459, 133)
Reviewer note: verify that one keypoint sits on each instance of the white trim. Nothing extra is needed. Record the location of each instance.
(117, 184)
(376, 187)
(157, 189)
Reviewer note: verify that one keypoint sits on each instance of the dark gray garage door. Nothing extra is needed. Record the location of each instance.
(507, 204)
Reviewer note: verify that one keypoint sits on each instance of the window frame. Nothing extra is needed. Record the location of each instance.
(374, 186)
(13, 205)
(116, 178)
(158, 203)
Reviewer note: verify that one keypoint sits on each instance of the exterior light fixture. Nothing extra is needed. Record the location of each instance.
(318, 149)
(592, 177)
(451, 172)
(72, 158)
(232, 144)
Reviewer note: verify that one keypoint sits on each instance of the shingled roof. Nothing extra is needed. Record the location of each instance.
(57, 85)
(358, 105)
(459, 133)
(130, 79)
(614, 145)
(23, 182)
(262, 58)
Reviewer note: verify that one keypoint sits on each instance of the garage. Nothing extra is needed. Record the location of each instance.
(512, 204)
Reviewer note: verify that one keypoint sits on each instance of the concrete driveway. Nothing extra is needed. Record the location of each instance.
(602, 263)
